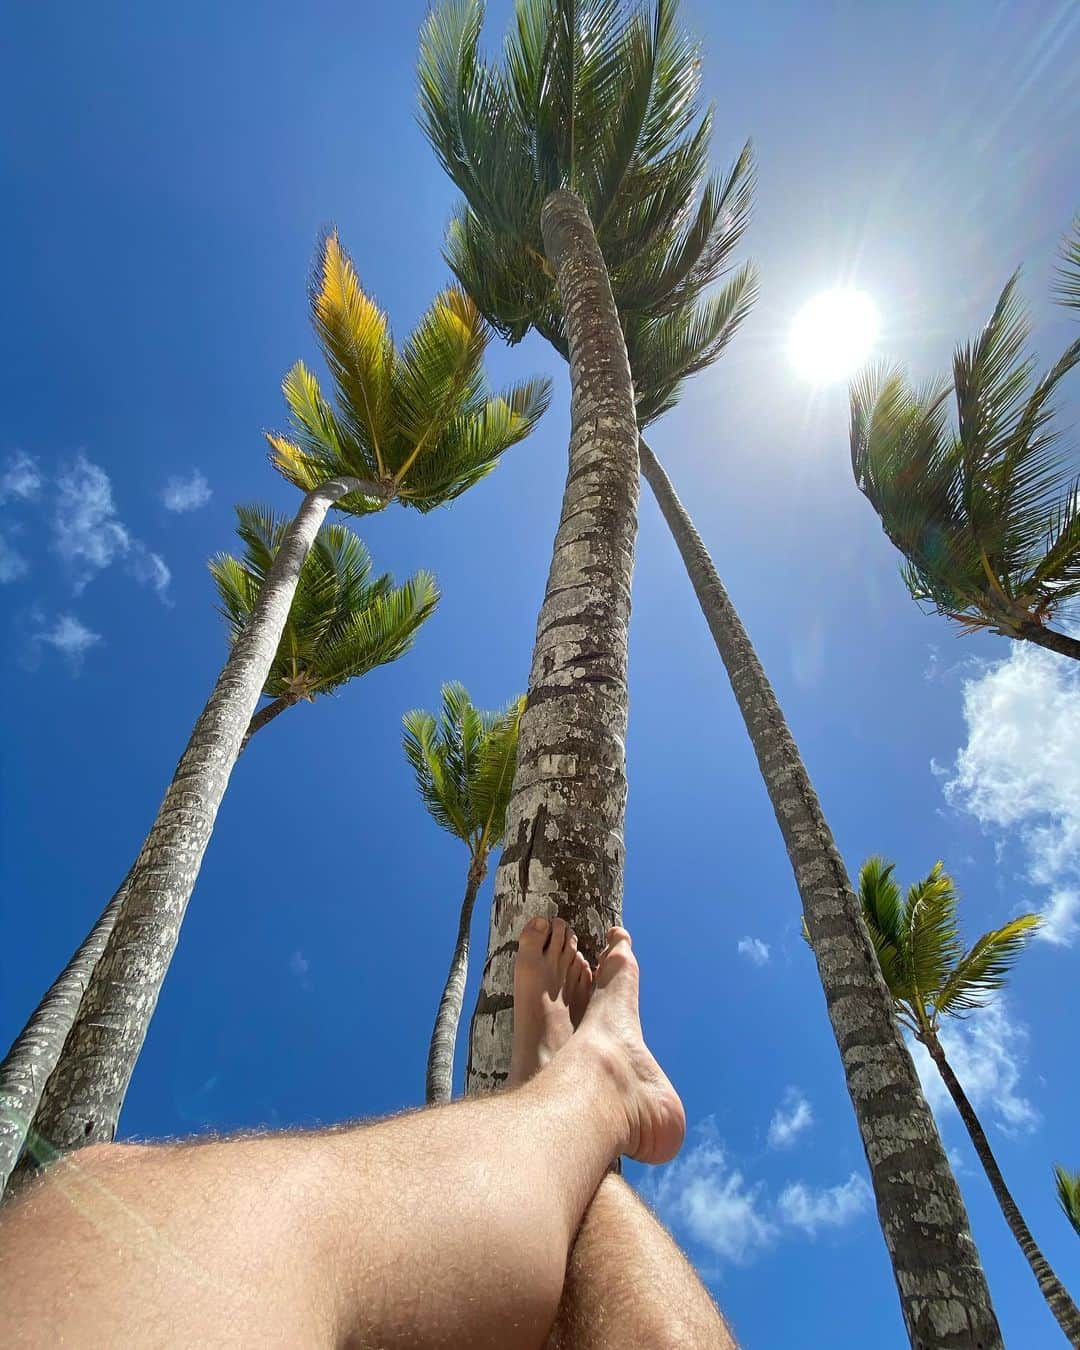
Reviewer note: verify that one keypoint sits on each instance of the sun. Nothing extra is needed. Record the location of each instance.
(833, 334)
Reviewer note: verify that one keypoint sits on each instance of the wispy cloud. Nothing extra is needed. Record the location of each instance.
(710, 1203)
(186, 494)
(300, 969)
(70, 637)
(801, 1206)
(89, 534)
(12, 563)
(790, 1119)
(755, 951)
(987, 1054)
(20, 478)
(1020, 772)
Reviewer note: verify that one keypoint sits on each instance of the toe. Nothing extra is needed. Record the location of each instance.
(569, 952)
(533, 936)
(557, 940)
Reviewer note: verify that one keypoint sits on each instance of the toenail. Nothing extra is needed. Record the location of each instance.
(537, 924)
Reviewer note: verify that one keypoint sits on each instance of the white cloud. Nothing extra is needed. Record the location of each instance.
(300, 969)
(712, 1204)
(987, 1053)
(755, 951)
(186, 494)
(790, 1119)
(90, 536)
(809, 1209)
(21, 477)
(1020, 771)
(70, 637)
(12, 563)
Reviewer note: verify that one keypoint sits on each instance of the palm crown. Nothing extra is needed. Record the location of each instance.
(1068, 1189)
(917, 940)
(419, 421)
(1067, 289)
(343, 622)
(602, 99)
(464, 766)
(987, 517)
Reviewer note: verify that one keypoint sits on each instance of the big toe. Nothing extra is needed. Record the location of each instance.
(531, 942)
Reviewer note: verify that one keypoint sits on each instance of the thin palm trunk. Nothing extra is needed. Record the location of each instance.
(564, 829)
(1051, 639)
(265, 715)
(1055, 1293)
(440, 1064)
(36, 1050)
(943, 1291)
(82, 1100)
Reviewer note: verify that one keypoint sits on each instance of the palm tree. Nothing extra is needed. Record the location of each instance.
(416, 425)
(988, 517)
(341, 625)
(1067, 289)
(464, 766)
(930, 976)
(674, 329)
(1068, 1189)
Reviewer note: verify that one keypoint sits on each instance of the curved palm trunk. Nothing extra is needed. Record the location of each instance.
(564, 832)
(1051, 639)
(36, 1050)
(82, 1100)
(265, 715)
(1055, 1293)
(943, 1291)
(440, 1064)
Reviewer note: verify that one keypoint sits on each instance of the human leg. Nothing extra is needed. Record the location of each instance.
(439, 1228)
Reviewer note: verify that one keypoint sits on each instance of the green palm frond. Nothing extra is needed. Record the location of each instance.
(342, 623)
(420, 420)
(601, 97)
(988, 517)
(464, 765)
(1068, 1189)
(917, 941)
(1067, 287)
(983, 969)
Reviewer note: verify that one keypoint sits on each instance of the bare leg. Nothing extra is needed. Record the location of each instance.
(627, 1283)
(445, 1228)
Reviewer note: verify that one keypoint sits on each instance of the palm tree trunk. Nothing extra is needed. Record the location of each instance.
(1055, 1293)
(1052, 640)
(36, 1050)
(943, 1291)
(265, 715)
(440, 1064)
(564, 830)
(82, 1099)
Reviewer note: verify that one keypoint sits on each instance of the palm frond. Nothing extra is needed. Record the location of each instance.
(1067, 286)
(984, 969)
(932, 945)
(1068, 1190)
(883, 908)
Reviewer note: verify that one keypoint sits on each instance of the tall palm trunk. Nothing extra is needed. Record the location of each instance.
(1055, 1293)
(440, 1064)
(36, 1050)
(942, 1287)
(82, 1100)
(564, 829)
(1051, 639)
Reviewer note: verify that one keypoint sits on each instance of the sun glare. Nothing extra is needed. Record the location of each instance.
(833, 334)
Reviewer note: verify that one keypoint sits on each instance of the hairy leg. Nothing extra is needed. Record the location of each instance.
(627, 1283)
(444, 1228)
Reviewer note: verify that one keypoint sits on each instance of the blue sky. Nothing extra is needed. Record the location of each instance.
(169, 172)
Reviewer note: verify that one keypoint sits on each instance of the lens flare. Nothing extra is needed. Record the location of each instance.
(833, 334)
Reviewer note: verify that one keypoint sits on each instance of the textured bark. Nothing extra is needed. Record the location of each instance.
(1055, 1293)
(82, 1100)
(440, 1064)
(564, 850)
(36, 1050)
(943, 1292)
(1052, 640)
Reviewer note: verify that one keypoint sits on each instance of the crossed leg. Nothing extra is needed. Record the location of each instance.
(627, 1283)
(445, 1228)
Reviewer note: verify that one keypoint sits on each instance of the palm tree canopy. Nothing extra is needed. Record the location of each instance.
(464, 765)
(1068, 1189)
(988, 516)
(419, 420)
(343, 622)
(922, 957)
(601, 98)
(1067, 288)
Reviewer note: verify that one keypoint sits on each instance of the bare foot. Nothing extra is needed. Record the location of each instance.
(656, 1122)
(551, 988)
